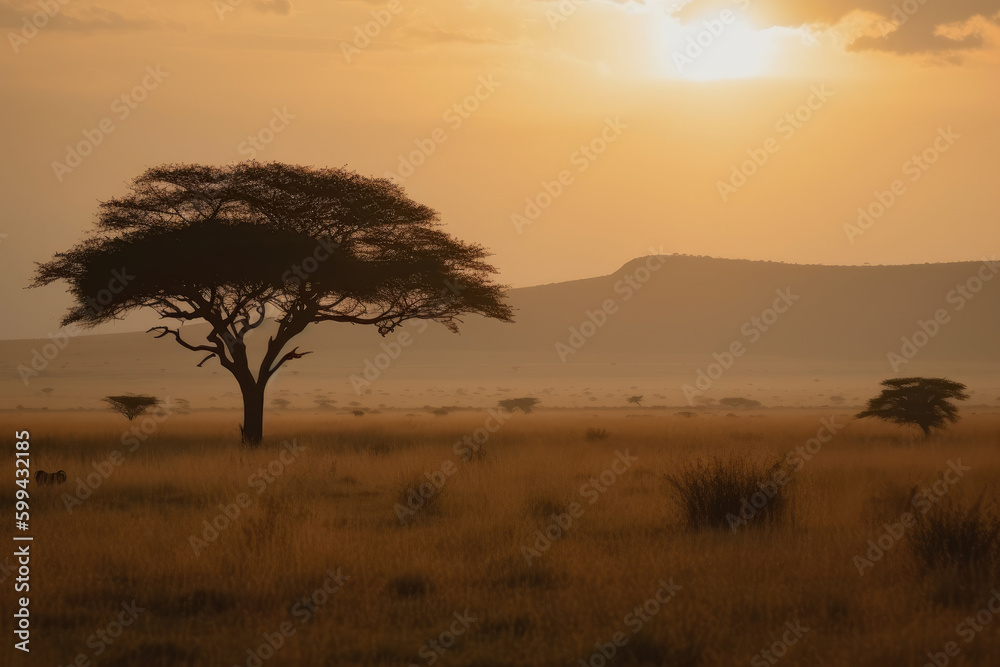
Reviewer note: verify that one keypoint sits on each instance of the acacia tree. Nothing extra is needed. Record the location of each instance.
(131, 405)
(270, 245)
(923, 402)
(635, 400)
(525, 405)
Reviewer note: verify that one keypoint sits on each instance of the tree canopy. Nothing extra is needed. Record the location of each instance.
(131, 405)
(525, 405)
(922, 402)
(239, 244)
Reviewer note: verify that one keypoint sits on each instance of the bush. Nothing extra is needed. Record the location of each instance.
(409, 586)
(963, 540)
(595, 434)
(525, 405)
(718, 493)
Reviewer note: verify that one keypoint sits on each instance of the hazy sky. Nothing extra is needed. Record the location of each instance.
(835, 100)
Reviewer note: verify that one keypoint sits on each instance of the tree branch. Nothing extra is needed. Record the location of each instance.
(294, 354)
(164, 331)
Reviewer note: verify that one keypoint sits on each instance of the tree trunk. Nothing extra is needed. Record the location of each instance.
(927, 430)
(252, 428)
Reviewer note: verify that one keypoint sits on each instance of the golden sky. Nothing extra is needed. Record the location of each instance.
(568, 137)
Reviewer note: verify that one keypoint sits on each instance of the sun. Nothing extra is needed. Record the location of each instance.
(717, 47)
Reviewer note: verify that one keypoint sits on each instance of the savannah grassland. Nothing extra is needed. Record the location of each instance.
(333, 507)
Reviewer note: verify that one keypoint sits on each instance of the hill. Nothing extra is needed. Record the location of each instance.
(651, 326)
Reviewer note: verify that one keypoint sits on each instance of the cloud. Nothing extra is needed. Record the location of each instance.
(903, 26)
(82, 20)
(281, 7)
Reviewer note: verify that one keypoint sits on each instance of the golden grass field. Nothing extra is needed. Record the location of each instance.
(332, 508)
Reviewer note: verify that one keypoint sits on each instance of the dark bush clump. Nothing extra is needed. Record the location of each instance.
(731, 493)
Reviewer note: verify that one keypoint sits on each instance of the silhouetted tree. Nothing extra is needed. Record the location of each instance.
(525, 405)
(636, 400)
(923, 402)
(131, 405)
(240, 244)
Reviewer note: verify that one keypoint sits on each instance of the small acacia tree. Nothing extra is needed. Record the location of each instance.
(525, 405)
(923, 402)
(272, 245)
(635, 400)
(131, 405)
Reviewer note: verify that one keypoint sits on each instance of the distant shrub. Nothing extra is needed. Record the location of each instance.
(409, 586)
(417, 497)
(965, 540)
(358, 413)
(686, 413)
(441, 412)
(595, 434)
(525, 405)
(733, 492)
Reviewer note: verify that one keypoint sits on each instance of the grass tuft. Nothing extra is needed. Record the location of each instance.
(725, 492)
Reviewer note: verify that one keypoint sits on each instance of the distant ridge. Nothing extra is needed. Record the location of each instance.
(691, 304)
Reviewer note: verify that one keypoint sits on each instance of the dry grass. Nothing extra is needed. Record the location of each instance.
(333, 507)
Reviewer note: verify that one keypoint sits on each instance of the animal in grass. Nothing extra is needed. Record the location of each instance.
(49, 478)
